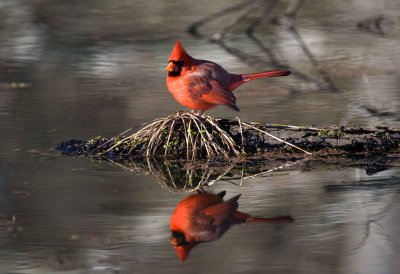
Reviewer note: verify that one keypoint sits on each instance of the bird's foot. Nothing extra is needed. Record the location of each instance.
(197, 112)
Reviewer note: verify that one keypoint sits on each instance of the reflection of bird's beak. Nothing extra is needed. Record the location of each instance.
(183, 250)
(171, 67)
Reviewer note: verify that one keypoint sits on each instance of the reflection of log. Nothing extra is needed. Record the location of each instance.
(178, 175)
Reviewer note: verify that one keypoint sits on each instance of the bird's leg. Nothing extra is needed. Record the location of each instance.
(200, 190)
(197, 112)
(200, 112)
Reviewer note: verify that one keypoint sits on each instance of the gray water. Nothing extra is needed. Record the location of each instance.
(86, 68)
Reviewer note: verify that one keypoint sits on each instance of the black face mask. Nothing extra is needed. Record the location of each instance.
(178, 239)
(179, 64)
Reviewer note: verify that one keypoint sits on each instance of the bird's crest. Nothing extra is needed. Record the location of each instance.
(179, 54)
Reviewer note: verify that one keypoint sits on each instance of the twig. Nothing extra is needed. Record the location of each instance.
(272, 136)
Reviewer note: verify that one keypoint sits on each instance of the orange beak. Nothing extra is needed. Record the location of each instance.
(171, 67)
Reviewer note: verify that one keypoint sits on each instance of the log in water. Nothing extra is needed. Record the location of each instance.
(249, 139)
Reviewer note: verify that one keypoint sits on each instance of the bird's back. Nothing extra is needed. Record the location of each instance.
(187, 209)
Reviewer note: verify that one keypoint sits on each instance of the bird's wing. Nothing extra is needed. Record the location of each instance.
(219, 95)
(203, 229)
(202, 222)
(222, 211)
(205, 87)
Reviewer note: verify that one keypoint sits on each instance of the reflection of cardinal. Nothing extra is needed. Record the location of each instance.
(201, 85)
(205, 217)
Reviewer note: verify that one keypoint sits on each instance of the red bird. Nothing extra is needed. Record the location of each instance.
(206, 217)
(201, 85)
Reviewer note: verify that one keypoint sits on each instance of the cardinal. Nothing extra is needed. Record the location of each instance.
(201, 85)
(205, 217)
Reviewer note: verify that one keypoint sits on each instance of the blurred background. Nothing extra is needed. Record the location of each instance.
(79, 69)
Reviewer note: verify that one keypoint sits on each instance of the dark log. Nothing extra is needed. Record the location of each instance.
(333, 140)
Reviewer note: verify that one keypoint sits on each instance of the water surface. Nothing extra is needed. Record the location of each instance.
(97, 68)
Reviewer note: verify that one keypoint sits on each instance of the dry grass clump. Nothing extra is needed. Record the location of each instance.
(182, 133)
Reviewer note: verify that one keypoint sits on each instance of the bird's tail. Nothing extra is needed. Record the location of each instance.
(265, 74)
(274, 220)
(239, 79)
(241, 217)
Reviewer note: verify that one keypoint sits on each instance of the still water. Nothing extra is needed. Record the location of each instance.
(97, 68)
